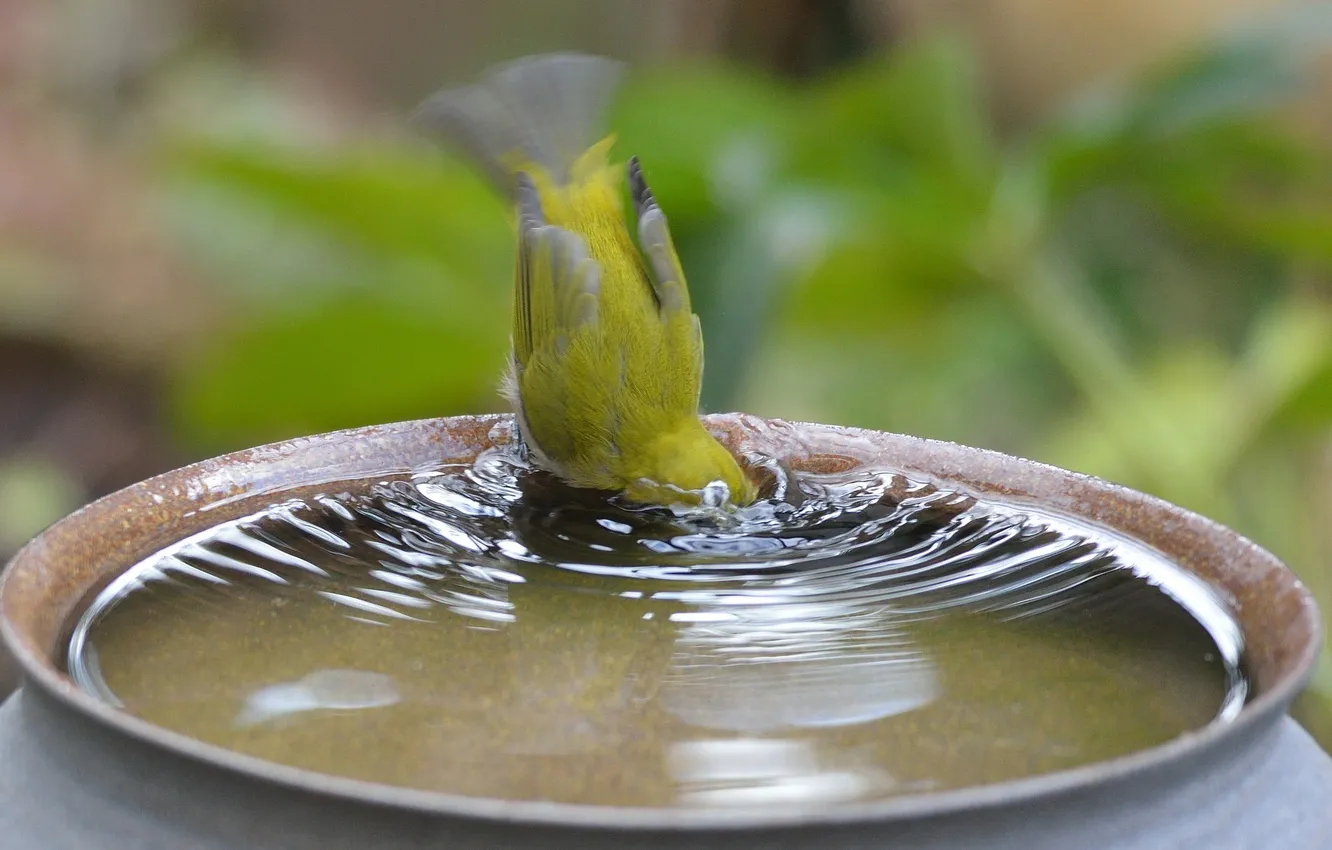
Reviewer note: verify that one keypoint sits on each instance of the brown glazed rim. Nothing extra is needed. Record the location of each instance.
(50, 578)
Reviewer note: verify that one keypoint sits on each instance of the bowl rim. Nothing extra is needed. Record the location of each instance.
(40, 671)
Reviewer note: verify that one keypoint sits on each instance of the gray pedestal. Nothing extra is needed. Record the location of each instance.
(68, 784)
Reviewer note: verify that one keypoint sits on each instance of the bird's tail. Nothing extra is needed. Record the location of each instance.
(544, 110)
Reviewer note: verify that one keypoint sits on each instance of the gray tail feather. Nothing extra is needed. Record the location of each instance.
(547, 107)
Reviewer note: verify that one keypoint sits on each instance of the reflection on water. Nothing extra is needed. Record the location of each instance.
(774, 667)
(322, 690)
(479, 631)
(762, 771)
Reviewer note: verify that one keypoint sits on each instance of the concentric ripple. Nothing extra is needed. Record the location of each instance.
(481, 630)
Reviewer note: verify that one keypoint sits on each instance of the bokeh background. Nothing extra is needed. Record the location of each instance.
(1096, 234)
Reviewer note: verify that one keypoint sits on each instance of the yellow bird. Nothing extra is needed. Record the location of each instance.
(607, 357)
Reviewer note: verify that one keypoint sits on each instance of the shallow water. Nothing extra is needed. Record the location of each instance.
(481, 631)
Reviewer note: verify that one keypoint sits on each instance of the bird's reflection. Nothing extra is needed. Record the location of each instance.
(719, 693)
(583, 668)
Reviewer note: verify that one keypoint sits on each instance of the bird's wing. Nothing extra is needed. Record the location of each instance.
(557, 283)
(668, 282)
(684, 334)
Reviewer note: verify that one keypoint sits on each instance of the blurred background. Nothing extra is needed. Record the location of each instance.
(1095, 234)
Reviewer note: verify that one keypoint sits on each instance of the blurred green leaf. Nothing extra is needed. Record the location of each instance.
(753, 257)
(35, 491)
(351, 362)
(1242, 75)
(918, 108)
(411, 323)
(1288, 369)
(1187, 389)
(708, 136)
(904, 139)
(388, 202)
(1194, 137)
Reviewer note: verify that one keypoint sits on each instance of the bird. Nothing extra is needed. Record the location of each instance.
(606, 360)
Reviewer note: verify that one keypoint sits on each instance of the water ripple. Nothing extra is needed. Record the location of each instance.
(809, 610)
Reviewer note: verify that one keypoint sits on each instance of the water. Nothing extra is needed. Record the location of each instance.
(480, 630)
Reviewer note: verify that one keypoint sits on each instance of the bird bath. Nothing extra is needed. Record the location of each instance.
(77, 771)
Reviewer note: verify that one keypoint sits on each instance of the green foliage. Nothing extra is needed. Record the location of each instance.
(1138, 288)
(35, 491)
(410, 315)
